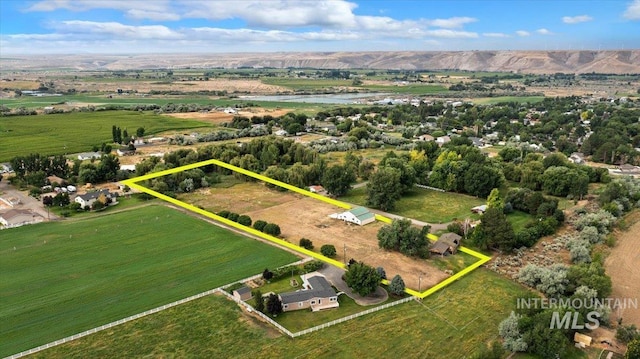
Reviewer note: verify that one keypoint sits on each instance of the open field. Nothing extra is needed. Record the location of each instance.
(300, 216)
(426, 205)
(498, 99)
(221, 117)
(622, 267)
(467, 313)
(78, 131)
(58, 279)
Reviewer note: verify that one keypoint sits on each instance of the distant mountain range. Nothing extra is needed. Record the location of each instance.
(621, 61)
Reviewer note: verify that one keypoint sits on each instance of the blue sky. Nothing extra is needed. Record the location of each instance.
(208, 26)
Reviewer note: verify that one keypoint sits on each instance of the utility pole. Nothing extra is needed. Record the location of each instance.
(345, 254)
(420, 284)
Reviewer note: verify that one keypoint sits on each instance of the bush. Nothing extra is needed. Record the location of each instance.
(259, 225)
(397, 285)
(267, 274)
(233, 216)
(313, 266)
(244, 220)
(286, 271)
(627, 333)
(272, 229)
(306, 243)
(328, 250)
(224, 214)
(381, 272)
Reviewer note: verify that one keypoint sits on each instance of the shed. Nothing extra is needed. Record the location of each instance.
(243, 293)
(448, 243)
(358, 215)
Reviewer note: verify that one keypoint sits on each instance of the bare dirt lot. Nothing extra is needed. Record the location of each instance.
(300, 216)
(221, 117)
(229, 85)
(623, 267)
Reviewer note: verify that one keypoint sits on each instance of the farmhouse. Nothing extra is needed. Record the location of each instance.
(88, 155)
(18, 217)
(317, 295)
(448, 243)
(358, 215)
(87, 199)
(242, 293)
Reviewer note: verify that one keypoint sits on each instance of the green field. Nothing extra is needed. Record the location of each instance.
(77, 131)
(61, 278)
(426, 205)
(453, 323)
(318, 84)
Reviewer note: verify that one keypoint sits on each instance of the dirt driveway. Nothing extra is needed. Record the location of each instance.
(623, 266)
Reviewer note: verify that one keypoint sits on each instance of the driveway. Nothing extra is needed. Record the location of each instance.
(334, 275)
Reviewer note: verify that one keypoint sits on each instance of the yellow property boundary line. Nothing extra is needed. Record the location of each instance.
(133, 183)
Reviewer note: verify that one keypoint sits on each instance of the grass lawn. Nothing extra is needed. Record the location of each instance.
(454, 263)
(60, 278)
(466, 313)
(519, 219)
(78, 131)
(124, 203)
(374, 155)
(426, 205)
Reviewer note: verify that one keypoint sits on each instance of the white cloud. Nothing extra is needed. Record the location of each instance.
(544, 31)
(495, 34)
(576, 19)
(522, 33)
(119, 30)
(84, 5)
(633, 11)
(451, 34)
(451, 23)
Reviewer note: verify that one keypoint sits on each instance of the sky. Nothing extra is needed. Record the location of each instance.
(210, 26)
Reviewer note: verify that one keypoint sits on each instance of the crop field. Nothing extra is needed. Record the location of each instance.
(61, 278)
(306, 84)
(466, 313)
(426, 205)
(78, 131)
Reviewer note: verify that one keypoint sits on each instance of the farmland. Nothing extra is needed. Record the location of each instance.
(426, 205)
(78, 131)
(57, 279)
(466, 313)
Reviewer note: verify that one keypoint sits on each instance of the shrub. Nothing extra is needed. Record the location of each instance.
(233, 216)
(306, 243)
(328, 250)
(397, 285)
(259, 225)
(627, 333)
(313, 266)
(224, 214)
(382, 273)
(272, 229)
(244, 220)
(286, 271)
(267, 274)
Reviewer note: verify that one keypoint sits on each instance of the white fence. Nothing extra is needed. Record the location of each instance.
(431, 188)
(260, 314)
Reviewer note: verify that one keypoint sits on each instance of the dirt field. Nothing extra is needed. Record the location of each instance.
(221, 117)
(622, 266)
(300, 216)
(229, 85)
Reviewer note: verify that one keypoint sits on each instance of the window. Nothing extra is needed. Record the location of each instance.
(300, 304)
(286, 306)
(319, 301)
(313, 302)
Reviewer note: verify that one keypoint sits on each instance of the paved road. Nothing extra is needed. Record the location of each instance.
(334, 275)
(26, 201)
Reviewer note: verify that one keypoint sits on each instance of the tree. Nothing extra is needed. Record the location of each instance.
(382, 273)
(272, 229)
(338, 179)
(259, 300)
(125, 136)
(328, 250)
(627, 333)
(494, 200)
(397, 285)
(403, 237)
(306, 243)
(384, 188)
(274, 305)
(244, 220)
(509, 330)
(633, 350)
(140, 132)
(259, 225)
(479, 180)
(495, 231)
(61, 200)
(267, 274)
(47, 201)
(363, 279)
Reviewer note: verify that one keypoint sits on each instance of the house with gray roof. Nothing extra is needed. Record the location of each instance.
(448, 243)
(318, 294)
(358, 215)
(87, 199)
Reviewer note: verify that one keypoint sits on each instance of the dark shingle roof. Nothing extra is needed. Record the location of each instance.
(93, 195)
(243, 290)
(320, 288)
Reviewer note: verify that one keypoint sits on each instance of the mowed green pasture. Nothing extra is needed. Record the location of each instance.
(61, 278)
(453, 323)
(426, 205)
(77, 131)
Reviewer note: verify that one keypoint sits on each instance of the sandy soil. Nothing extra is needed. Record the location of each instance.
(623, 266)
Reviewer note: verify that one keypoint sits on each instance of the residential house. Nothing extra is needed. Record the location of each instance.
(358, 215)
(477, 141)
(242, 293)
(448, 243)
(89, 155)
(577, 158)
(479, 209)
(317, 189)
(281, 133)
(426, 138)
(87, 199)
(442, 140)
(317, 295)
(19, 217)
